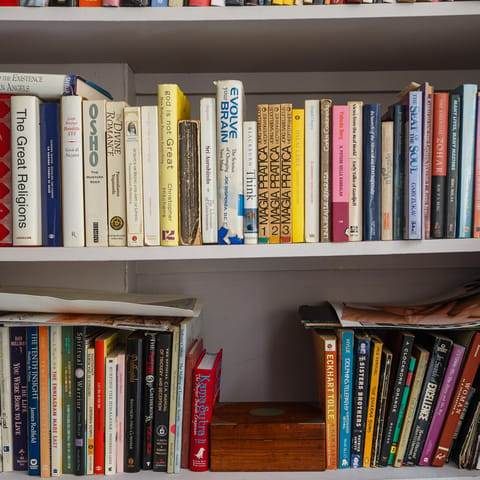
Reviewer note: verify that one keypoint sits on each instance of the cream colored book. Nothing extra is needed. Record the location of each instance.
(56, 389)
(387, 180)
(355, 213)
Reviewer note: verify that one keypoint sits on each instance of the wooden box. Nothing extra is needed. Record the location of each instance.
(267, 436)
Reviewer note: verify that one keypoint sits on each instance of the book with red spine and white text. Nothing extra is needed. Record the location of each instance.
(5, 173)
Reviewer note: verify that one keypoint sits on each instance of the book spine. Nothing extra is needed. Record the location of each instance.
(133, 176)
(79, 450)
(44, 85)
(172, 416)
(26, 171)
(274, 172)
(90, 406)
(439, 165)
(262, 158)
(56, 399)
(466, 162)
(340, 173)
(372, 177)
(33, 403)
(110, 413)
(230, 112)
(99, 352)
(476, 186)
(387, 181)
(51, 178)
(324, 188)
(115, 131)
(190, 198)
(150, 171)
(312, 171)
(208, 156)
(331, 394)
(360, 400)
(5, 173)
(399, 121)
(451, 373)
(67, 399)
(286, 172)
(172, 107)
(120, 411)
(298, 175)
(44, 391)
(163, 368)
(355, 212)
(250, 183)
(73, 214)
(95, 173)
(414, 172)
(427, 156)
(148, 396)
(6, 404)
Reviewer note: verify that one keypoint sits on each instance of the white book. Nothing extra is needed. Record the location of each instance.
(150, 169)
(111, 413)
(387, 180)
(116, 200)
(95, 173)
(312, 171)
(73, 212)
(208, 169)
(133, 172)
(230, 112)
(56, 389)
(6, 400)
(120, 410)
(26, 173)
(90, 405)
(250, 182)
(355, 213)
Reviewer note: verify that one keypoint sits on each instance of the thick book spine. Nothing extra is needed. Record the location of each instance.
(79, 364)
(148, 398)
(427, 148)
(150, 172)
(274, 172)
(286, 172)
(466, 160)
(387, 180)
(162, 400)
(133, 176)
(115, 128)
(340, 173)
(189, 183)
(18, 365)
(33, 402)
(262, 158)
(399, 122)
(250, 183)
(324, 188)
(5, 173)
(355, 213)
(44, 391)
(372, 172)
(26, 171)
(6, 427)
(56, 389)
(312, 171)
(476, 186)
(51, 175)
(95, 173)
(208, 169)
(439, 165)
(73, 213)
(172, 107)
(298, 175)
(230, 113)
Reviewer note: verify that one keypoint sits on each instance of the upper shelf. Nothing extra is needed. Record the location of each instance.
(401, 36)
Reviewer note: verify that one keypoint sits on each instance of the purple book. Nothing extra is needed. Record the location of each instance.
(446, 391)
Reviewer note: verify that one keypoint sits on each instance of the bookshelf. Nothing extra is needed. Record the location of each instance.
(251, 293)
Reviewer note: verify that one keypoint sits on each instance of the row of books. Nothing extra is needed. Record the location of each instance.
(86, 399)
(397, 397)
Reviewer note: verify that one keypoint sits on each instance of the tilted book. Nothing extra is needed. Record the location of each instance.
(298, 175)
(286, 172)
(5, 173)
(355, 213)
(262, 159)
(26, 171)
(274, 173)
(230, 114)
(250, 182)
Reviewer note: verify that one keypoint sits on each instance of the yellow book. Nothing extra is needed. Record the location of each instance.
(288, 2)
(262, 177)
(376, 355)
(286, 172)
(172, 107)
(298, 175)
(274, 172)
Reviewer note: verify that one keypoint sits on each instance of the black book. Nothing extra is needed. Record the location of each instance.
(79, 367)
(162, 400)
(148, 397)
(133, 399)
(439, 347)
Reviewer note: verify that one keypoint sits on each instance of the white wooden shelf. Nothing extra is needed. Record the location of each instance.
(303, 38)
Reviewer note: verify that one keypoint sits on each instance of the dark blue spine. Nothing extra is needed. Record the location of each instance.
(33, 402)
(399, 121)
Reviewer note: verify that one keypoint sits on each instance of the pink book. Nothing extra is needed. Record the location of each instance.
(340, 173)
(5, 174)
(444, 397)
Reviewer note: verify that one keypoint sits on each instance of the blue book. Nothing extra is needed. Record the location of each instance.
(159, 3)
(372, 169)
(51, 174)
(18, 366)
(466, 159)
(346, 341)
(33, 402)
(399, 122)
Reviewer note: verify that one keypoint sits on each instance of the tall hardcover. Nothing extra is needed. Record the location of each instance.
(355, 212)
(298, 175)
(6, 427)
(5, 173)
(250, 183)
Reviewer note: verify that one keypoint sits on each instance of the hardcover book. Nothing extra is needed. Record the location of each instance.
(262, 159)
(355, 212)
(5, 173)
(250, 183)
(298, 175)
(286, 173)
(274, 172)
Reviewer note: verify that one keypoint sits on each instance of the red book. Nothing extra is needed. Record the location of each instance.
(44, 390)
(5, 173)
(206, 390)
(464, 383)
(9, 3)
(340, 173)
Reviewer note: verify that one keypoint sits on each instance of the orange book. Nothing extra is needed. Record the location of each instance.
(325, 346)
(89, 3)
(44, 376)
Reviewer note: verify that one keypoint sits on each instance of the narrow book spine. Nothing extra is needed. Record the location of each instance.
(44, 391)
(250, 183)
(148, 395)
(274, 172)
(262, 158)
(324, 170)
(399, 120)
(355, 213)
(286, 172)
(56, 399)
(476, 186)
(79, 333)
(110, 413)
(33, 402)
(298, 175)
(387, 180)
